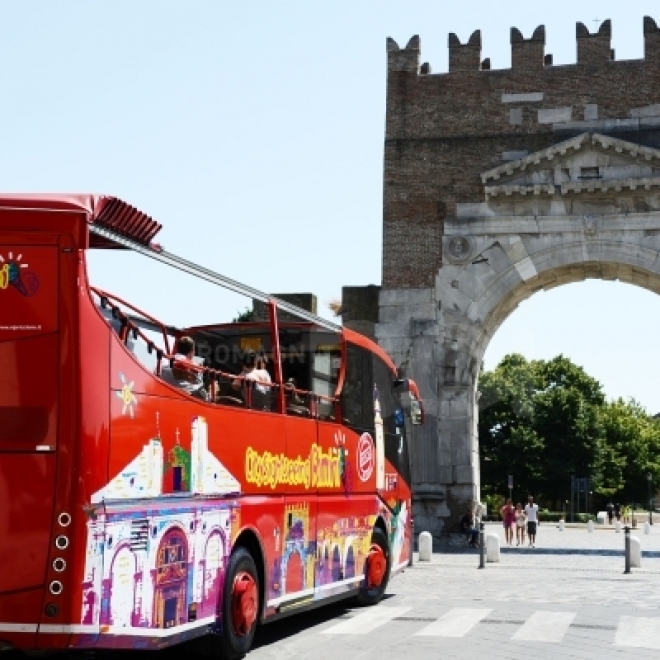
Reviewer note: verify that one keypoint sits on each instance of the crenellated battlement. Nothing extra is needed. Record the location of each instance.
(593, 49)
(465, 57)
(528, 53)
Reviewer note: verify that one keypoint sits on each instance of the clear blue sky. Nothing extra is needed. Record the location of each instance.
(254, 132)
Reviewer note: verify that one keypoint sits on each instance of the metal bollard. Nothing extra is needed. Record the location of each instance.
(482, 545)
(412, 542)
(626, 531)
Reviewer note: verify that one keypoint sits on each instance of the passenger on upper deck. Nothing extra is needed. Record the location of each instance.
(261, 394)
(191, 380)
(249, 362)
(261, 375)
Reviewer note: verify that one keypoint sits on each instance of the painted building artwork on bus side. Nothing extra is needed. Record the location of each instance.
(155, 561)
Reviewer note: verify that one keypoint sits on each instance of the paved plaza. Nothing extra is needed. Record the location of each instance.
(566, 598)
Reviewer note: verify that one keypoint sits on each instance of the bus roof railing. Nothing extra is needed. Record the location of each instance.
(191, 268)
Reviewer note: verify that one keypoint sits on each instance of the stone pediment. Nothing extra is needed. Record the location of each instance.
(589, 162)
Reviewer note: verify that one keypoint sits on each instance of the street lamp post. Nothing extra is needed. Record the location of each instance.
(649, 478)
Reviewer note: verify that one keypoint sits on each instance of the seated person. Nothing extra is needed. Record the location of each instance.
(249, 361)
(254, 370)
(295, 405)
(189, 380)
(261, 375)
(469, 528)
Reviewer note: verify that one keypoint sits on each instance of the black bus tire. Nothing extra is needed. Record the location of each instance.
(235, 644)
(374, 595)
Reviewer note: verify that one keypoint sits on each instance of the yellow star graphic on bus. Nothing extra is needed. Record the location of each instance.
(127, 396)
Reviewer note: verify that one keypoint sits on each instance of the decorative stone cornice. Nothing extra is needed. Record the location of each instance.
(536, 189)
(623, 146)
(590, 185)
(598, 185)
(604, 142)
(559, 149)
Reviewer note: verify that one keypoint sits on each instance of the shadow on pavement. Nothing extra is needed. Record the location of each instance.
(279, 630)
(270, 633)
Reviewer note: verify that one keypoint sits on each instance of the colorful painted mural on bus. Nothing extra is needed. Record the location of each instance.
(158, 563)
(147, 567)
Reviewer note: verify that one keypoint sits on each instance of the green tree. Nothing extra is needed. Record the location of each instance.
(567, 416)
(539, 421)
(244, 317)
(508, 441)
(631, 451)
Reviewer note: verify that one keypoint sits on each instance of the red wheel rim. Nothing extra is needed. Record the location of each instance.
(243, 603)
(376, 566)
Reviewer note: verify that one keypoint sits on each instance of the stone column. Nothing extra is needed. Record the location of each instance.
(436, 349)
(410, 333)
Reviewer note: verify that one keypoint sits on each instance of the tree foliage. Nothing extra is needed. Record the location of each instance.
(543, 421)
(244, 317)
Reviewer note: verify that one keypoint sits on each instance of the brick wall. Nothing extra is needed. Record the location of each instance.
(359, 308)
(443, 130)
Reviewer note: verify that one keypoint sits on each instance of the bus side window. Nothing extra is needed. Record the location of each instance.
(356, 395)
(326, 363)
(396, 447)
(389, 404)
(116, 325)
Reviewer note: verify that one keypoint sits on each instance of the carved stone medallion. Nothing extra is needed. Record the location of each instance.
(458, 248)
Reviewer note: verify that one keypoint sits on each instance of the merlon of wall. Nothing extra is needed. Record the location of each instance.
(595, 48)
(592, 50)
(465, 57)
(528, 53)
(651, 40)
(403, 59)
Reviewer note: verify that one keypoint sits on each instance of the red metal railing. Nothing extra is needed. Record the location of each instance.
(287, 397)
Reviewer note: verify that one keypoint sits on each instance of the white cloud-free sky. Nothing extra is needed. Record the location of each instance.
(254, 132)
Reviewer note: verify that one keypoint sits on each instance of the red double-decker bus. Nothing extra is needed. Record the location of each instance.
(152, 488)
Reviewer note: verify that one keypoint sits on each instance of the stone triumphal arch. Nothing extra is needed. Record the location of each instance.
(498, 184)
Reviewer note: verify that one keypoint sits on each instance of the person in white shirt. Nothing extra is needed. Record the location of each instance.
(531, 511)
(254, 370)
(261, 375)
(190, 380)
(249, 361)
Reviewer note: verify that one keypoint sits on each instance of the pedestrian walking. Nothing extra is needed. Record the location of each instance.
(508, 513)
(610, 512)
(469, 528)
(617, 511)
(521, 522)
(532, 511)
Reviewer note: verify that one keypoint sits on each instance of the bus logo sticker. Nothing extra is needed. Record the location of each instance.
(366, 459)
(24, 281)
(126, 395)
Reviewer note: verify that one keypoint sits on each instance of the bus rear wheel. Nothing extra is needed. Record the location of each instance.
(376, 570)
(240, 605)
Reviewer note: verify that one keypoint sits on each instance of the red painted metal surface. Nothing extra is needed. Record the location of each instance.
(25, 520)
(275, 343)
(364, 342)
(103, 210)
(145, 483)
(377, 566)
(244, 603)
